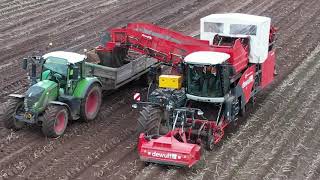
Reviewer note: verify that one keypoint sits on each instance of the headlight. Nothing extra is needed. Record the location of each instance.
(134, 106)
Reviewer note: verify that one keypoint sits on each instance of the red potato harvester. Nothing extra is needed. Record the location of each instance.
(212, 80)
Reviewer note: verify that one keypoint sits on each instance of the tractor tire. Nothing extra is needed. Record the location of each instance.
(10, 122)
(149, 121)
(55, 121)
(90, 106)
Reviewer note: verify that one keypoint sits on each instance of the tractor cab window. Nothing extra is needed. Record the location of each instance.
(203, 81)
(75, 71)
(56, 65)
(34, 92)
(55, 69)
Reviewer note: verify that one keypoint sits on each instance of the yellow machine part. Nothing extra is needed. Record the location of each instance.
(170, 81)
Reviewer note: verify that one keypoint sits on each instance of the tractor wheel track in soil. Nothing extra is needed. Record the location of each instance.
(27, 154)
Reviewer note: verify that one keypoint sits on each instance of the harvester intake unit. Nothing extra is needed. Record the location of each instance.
(163, 44)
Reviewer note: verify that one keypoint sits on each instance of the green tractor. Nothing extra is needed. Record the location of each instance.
(62, 92)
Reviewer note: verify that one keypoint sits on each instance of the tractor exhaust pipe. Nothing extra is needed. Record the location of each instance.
(33, 74)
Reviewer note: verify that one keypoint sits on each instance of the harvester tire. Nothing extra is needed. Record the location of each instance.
(209, 141)
(242, 112)
(149, 121)
(10, 122)
(55, 121)
(90, 106)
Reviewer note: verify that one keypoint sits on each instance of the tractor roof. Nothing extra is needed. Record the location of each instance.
(206, 58)
(71, 57)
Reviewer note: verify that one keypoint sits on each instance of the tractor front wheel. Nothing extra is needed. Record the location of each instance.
(149, 121)
(90, 106)
(15, 107)
(55, 121)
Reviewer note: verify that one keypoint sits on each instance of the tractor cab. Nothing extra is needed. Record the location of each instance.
(204, 76)
(64, 68)
(60, 93)
(59, 76)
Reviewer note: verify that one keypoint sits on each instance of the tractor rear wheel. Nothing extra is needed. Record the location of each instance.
(55, 121)
(15, 106)
(92, 102)
(149, 121)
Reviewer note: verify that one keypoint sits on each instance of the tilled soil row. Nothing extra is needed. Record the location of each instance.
(105, 154)
(80, 135)
(73, 34)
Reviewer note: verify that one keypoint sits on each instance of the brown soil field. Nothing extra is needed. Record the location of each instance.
(279, 138)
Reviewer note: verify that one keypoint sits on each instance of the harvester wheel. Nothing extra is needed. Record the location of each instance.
(14, 107)
(55, 120)
(242, 111)
(92, 102)
(149, 121)
(210, 140)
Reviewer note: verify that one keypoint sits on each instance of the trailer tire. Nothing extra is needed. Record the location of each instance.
(149, 121)
(91, 103)
(10, 122)
(55, 121)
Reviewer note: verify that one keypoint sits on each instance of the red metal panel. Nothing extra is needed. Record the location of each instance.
(267, 68)
(238, 55)
(246, 81)
(168, 150)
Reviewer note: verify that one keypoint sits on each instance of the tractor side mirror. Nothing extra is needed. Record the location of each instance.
(76, 73)
(24, 63)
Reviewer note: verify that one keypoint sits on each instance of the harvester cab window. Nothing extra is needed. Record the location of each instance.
(213, 27)
(243, 29)
(204, 81)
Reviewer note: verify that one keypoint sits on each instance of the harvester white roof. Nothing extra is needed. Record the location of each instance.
(71, 57)
(206, 58)
(239, 25)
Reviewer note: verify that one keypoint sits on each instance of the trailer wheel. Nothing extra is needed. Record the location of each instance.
(14, 107)
(55, 120)
(149, 121)
(91, 104)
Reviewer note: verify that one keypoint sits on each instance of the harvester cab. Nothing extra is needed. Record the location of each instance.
(61, 92)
